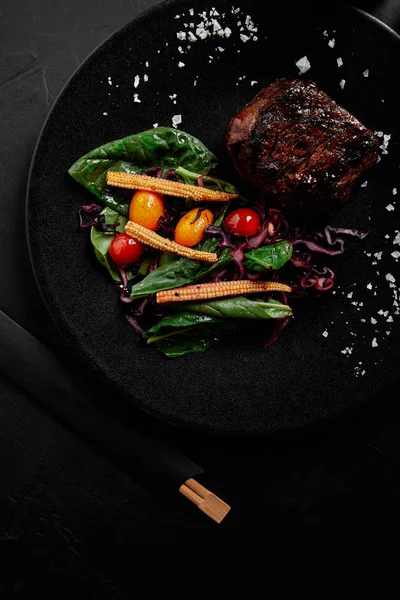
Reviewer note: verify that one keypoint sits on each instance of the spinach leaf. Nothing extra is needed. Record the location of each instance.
(185, 332)
(175, 271)
(101, 240)
(212, 183)
(269, 257)
(239, 308)
(161, 146)
(180, 319)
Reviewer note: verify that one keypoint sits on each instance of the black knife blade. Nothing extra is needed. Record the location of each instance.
(32, 366)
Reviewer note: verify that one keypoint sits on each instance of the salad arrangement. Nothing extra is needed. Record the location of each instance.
(193, 259)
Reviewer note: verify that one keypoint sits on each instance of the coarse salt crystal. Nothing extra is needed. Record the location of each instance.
(136, 81)
(339, 61)
(373, 321)
(331, 43)
(155, 124)
(350, 295)
(369, 286)
(176, 119)
(192, 37)
(389, 319)
(396, 254)
(394, 191)
(366, 73)
(253, 82)
(364, 184)
(374, 343)
(181, 35)
(325, 333)
(136, 98)
(342, 83)
(397, 238)
(389, 277)
(390, 207)
(227, 31)
(105, 113)
(244, 38)
(147, 63)
(181, 64)
(303, 64)
(145, 77)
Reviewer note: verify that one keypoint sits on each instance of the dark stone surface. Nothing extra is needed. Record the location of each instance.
(73, 522)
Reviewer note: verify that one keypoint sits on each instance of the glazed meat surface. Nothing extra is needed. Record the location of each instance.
(299, 147)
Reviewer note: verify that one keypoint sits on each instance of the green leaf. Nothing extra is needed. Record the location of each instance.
(180, 319)
(269, 257)
(239, 307)
(184, 332)
(212, 183)
(162, 146)
(101, 240)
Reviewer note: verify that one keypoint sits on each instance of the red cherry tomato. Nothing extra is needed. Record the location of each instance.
(125, 250)
(243, 221)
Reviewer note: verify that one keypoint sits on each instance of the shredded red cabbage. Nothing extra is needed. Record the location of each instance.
(89, 209)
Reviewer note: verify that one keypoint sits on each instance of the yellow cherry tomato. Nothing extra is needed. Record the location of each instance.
(146, 208)
(190, 228)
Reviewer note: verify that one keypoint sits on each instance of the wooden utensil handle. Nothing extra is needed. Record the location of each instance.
(205, 500)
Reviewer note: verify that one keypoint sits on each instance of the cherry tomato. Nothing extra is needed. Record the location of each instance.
(125, 250)
(190, 228)
(243, 221)
(146, 208)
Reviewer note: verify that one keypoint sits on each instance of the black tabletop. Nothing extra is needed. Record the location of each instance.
(70, 518)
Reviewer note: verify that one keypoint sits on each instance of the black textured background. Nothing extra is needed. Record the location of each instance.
(70, 520)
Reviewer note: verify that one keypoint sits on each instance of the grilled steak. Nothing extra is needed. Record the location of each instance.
(295, 144)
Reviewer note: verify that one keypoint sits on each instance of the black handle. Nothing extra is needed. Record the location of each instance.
(35, 368)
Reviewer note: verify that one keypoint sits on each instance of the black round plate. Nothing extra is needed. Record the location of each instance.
(340, 353)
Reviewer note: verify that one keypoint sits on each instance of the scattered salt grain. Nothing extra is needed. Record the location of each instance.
(374, 343)
(181, 35)
(339, 61)
(244, 38)
(145, 77)
(394, 191)
(109, 81)
(303, 64)
(147, 63)
(389, 277)
(325, 333)
(136, 98)
(253, 82)
(331, 43)
(342, 83)
(390, 207)
(155, 124)
(192, 37)
(396, 254)
(136, 81)
(350, 295)
(176, 120)
(364, 184)
(373, 321)
(181, 64)
(366, 73)
(105, 113)
(397, 238)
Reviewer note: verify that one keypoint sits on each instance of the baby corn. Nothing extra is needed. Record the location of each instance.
(150, 238)
(206, 291)
(165, 186)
